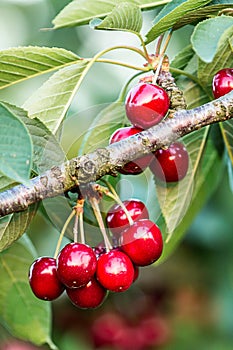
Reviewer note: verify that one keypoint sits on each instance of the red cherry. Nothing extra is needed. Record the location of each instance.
(89, 296)
(142, 242)
(76, 265)
(170, 164)
(117, 220)
(43, 279)
(139, 164)
(115, 271)
(146, 105)
(222, 82)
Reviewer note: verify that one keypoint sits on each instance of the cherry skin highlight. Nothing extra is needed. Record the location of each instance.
(43, 279)
(139, 164)
(116, 217)
(115, 271)
(170, 164)
(76, 264)
(142, 242)
(146, 105)
(89, 296)
(222, 82)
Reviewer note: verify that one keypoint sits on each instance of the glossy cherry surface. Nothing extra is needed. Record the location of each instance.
(89, 296)
(115, 271)
(146, 105)
(142, 242)
(117, 220)
(171, 164)
(139, 164)
(76, 264)
(222, 82)
(43, 279)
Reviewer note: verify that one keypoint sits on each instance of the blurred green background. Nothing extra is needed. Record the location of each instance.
(187, 302)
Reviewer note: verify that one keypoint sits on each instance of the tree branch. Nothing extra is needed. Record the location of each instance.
(91, 167)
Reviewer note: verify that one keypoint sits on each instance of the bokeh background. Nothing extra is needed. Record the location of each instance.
(185, 303)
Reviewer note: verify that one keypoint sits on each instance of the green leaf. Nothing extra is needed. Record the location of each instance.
(125, 16)
(227, 132)
(208, 169)
(181, 60)
(52, 100)
(21, 312)
(106, 122)
(207, 34)
(16, 147)
(223, 58)
(171, 14)
(13, 226)
(202, 13)
(46, 149)
(21, 63)
(80, 12)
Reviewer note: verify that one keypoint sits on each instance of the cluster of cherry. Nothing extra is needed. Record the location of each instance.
(146, 105)
(88, 273)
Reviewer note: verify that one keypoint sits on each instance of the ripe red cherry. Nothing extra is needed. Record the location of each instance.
(76, 264)
(142, 242)
(146, 105)
(170, 164)
(222, 82)
(43, 279)
(117, 220)
(89, 296)
(139, 164)
(115, 271)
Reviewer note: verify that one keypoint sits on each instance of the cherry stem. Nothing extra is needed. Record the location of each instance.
(68, 220)
(81, 227)
(161, 55)
(75, 228)
(159, 43)
(113, 194)
(96, 209)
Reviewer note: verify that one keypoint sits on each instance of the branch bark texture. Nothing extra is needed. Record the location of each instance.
(91, 167)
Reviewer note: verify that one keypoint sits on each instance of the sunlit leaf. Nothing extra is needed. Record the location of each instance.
(13, 226)
(21, 312)
(227, 132)
(82, 11)
(125, 16)
(52, 100)
(21, 63)
(171, 14)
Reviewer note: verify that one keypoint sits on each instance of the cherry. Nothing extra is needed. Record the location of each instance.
(89, 296)
(170, 164)
(222, 82)
(146, 105)
(117, 220)
(115, 271)
(142, 242)
(43, 279)
(76, 264)
(139, 164)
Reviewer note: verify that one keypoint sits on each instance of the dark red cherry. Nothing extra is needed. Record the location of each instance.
(76, 264)
(146, 105)
(142, 242)
(115, 271)
(139, 164)
(117, 220)
(43, 279)
(89, 296)
(170, 164)
(222, 82)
